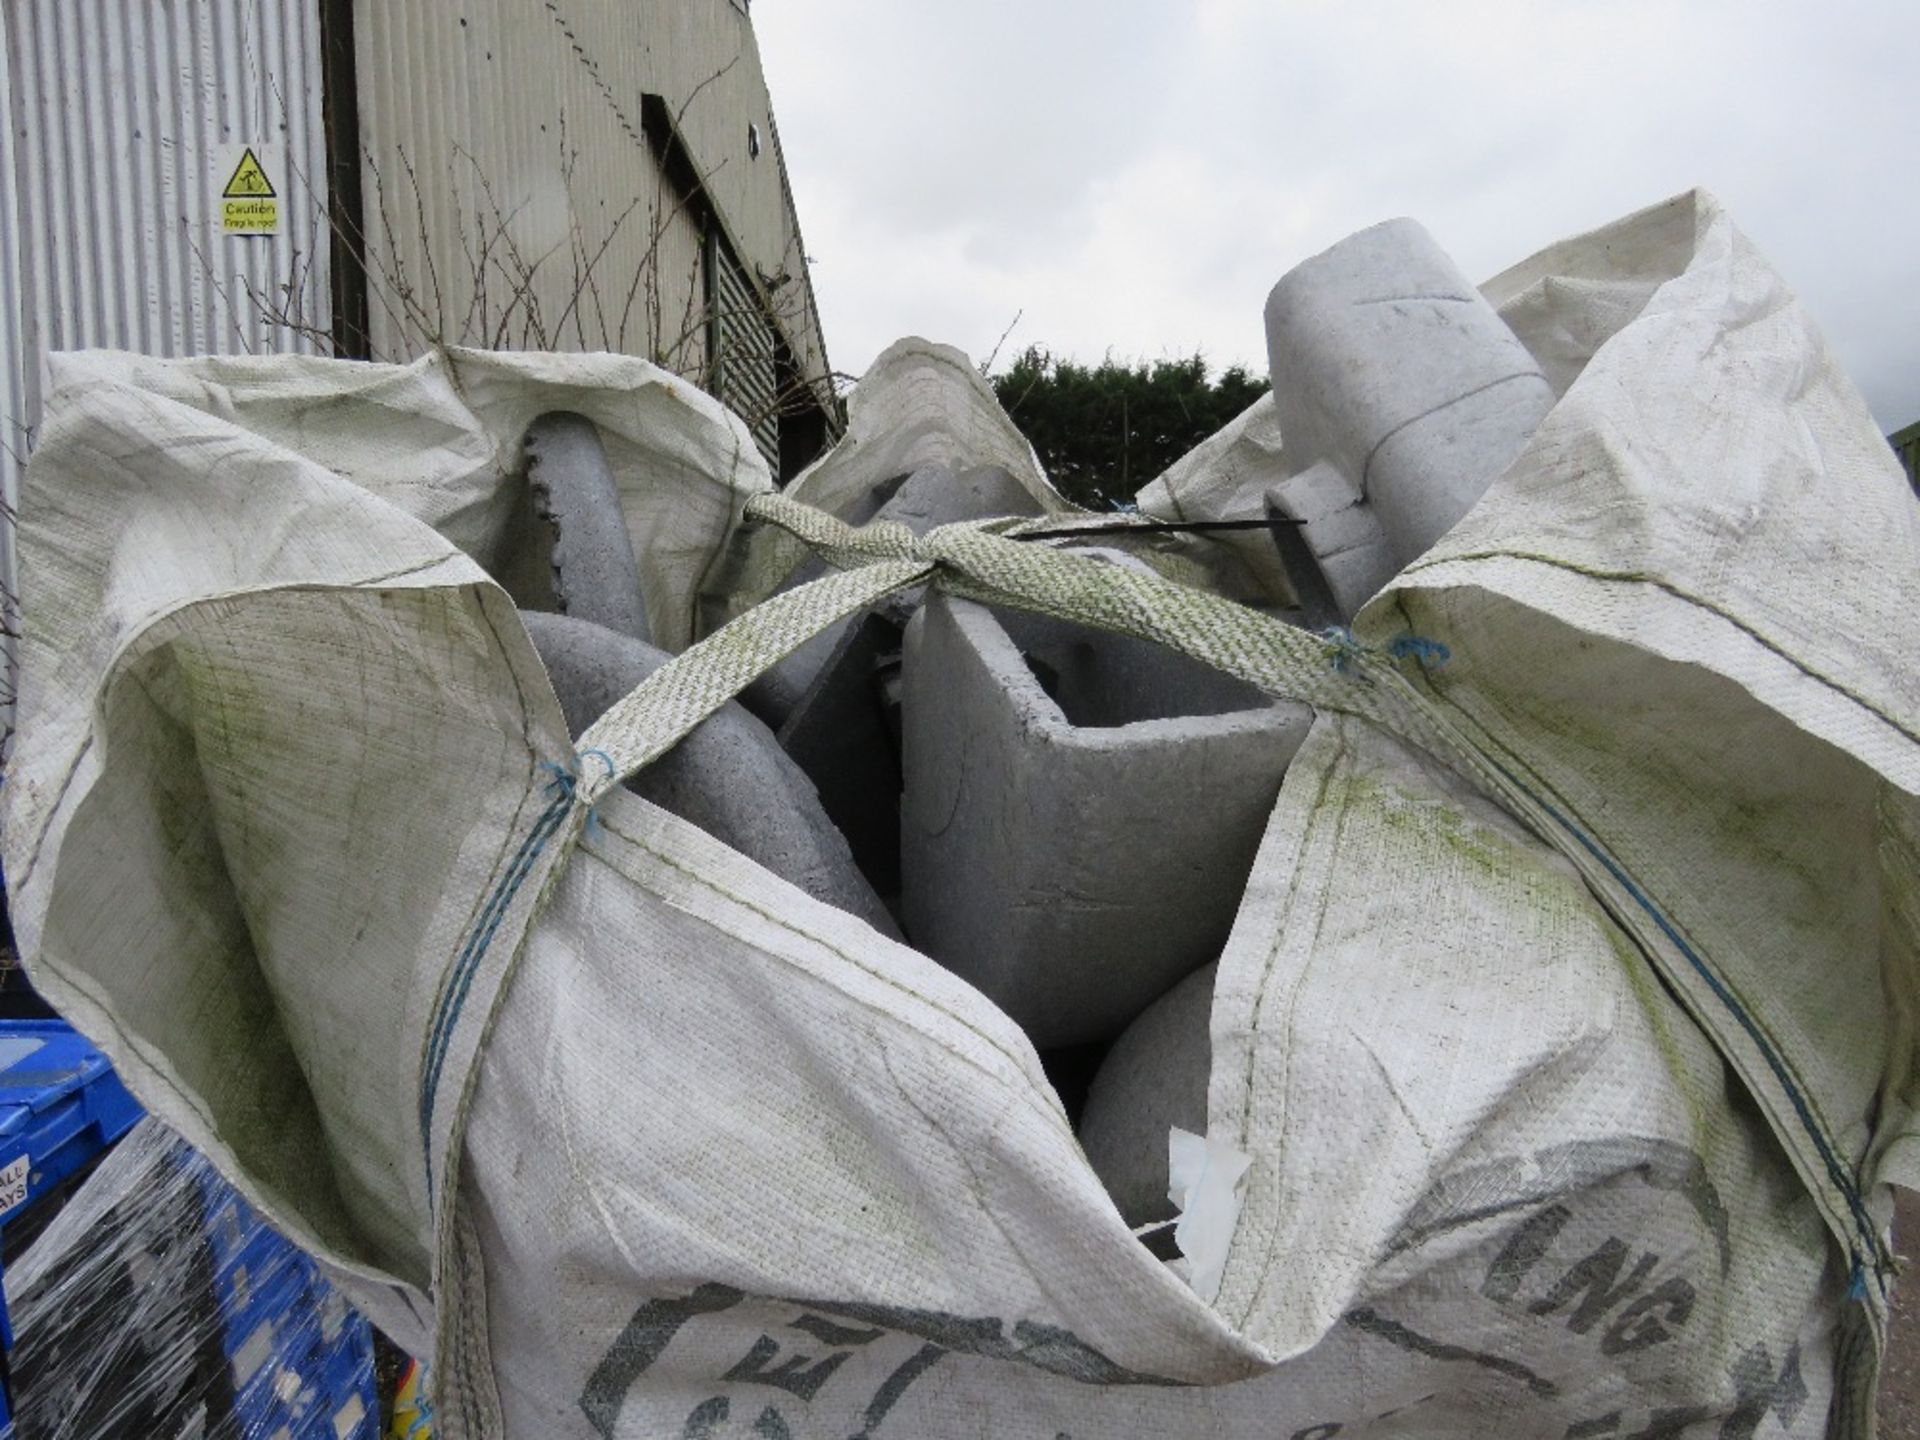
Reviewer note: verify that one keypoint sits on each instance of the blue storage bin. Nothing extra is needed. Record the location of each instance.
(302, 1360)
(61, 1107)
(298, 1361)
(299, 1384)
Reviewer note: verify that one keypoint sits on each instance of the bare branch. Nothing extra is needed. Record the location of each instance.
(986, 365)
(425, 234)
(694, 94)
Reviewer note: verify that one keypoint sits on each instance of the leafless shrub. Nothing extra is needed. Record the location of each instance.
(621, 292)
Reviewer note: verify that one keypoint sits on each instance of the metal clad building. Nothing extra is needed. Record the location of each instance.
(117, 115)
(1906, 444)
(581, 174)
(120, 115)
(549, 174)
(13, 374)
(546, 173)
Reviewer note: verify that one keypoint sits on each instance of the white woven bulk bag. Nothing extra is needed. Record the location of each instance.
(1564, 1033)
(260, 682)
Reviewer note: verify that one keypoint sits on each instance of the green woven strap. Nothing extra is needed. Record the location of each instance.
(986, 561)
(981, 560)
(672, 701)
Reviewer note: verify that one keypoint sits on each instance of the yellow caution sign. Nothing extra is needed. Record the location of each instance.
(249, 180)
(249, 200)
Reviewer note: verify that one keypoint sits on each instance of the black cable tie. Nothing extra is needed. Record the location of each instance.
(1158, 527)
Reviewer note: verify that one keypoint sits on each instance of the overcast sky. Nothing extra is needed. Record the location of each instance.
(1133, 177)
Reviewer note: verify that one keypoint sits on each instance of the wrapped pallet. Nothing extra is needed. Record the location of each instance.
(156, 1304)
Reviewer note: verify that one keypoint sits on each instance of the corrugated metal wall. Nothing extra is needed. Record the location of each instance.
(13, 394)
(514, 198)
(109, 235)
(463, 176)
(712, 50)
(119, 109)
(744, 374)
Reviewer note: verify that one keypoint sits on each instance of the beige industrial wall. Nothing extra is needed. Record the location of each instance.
(513, 198)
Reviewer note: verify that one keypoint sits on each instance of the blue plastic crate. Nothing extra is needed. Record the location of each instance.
(287, 1294)
(302, 1360)
(347, 1401)
(292, 1381)
(61, 1106)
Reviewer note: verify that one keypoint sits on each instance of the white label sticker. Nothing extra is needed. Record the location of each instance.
(13, 1183)
(15, 1048)
(254, 1352)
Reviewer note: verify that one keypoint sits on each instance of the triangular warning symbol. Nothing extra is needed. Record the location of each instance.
(249, 180)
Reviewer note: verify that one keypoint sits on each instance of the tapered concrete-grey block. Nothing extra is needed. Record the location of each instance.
(936, 495)
(838, 734)
(1152, 1080)
(730, 776)
(1338, 557)
(1390, 368)
(1081, 811)
(932, 496)
(595, 576)
(778, 690)
(844, 733)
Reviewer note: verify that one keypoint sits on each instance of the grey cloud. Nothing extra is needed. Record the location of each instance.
(990, 114)
(1134, 176)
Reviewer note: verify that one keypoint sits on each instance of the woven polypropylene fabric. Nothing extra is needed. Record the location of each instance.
(1566, 1024)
